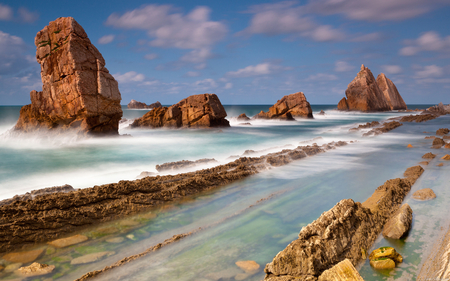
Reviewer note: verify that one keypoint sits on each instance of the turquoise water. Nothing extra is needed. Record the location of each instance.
(232, 230)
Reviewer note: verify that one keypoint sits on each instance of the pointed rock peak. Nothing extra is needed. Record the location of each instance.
(363, 67)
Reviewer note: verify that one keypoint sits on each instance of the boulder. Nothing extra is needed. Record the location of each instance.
(424, 194)
(78, 93)
(243, 117)
(343, 271)
(445, 157)
(386, 252)
(23, 257)
(248, 266)
(438, 143)
(391, 94)
(399, 224)
(91, 257)
(439, 109)
(442, 131)
(343, 105)
(429, 155)
(293, 105)
(409, 146)
(134, 104)
(322, 112)
(197, 111)
(364, 94)
(35, 269)
(68, 241)
(382, 263)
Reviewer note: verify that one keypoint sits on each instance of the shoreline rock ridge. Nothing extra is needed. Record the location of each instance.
(134, 104)
(365, 93)
(293, 105)
(196, 111)
(78, 92)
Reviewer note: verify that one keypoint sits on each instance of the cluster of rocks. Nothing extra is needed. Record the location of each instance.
(366, 94)
(365, 126)
(134, 104)
(386, 127)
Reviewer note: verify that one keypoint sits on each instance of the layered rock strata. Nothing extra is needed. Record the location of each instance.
(391, 94)
(134, 104)
(197, 111)
(78, 93)
(294, 105)
(399, 224)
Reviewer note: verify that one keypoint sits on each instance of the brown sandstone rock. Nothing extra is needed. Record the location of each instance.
(343, 105)
(438, 143)
(248, 266)
(440, 165)
(393, 98)
(134, 104)
(399, 224)
(429, 155)
(23, 257)
(442, 131)
(424, 194)
(243, 117)
(418, 118)
(68, 241)
(35, 269)
(446, 157)
(78, 91)
(382, 263)
(447, 145)
(293, 105)
(193, 112)
(364, 94)
(343, 271)
(386, 252)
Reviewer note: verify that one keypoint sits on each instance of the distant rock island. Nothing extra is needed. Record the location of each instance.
(293, 105)
(366, 94)
(134, 104)
(197, 111)
(78, 93)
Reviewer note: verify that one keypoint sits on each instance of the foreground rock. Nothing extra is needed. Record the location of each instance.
(399, 224)
(32, 194)
(424, 194)
(197, 111)
(391, 94)
(340, 233)
(35, 269)
(294, 105)
(134, 104)
(364, 94)
(343, 271)
(78, 93)
(385, 258)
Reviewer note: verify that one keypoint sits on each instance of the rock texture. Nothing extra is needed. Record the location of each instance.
(243, 117)
(91, 257)
(391, 94)
(294, 105)
(343, 271)
(23, 257)
(134, 104)
(399, 224)
(424, 194)
(442, 131)
(365, 94)
(68, 241)
(438, 143)
(78, 92)
(385, 258)
(35, 269)
(32, 194)
(196, 111)
(184, 164)
(429, 155)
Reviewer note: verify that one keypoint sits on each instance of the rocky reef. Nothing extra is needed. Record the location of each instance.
(197, 111)
(366, 94)
(134, 104)
(293, 105)
(78, 93)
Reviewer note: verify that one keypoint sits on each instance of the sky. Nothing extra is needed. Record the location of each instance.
(246, 52)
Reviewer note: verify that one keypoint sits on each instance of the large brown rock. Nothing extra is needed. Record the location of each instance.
(391, 94)
(399, 224)
(196, 111)
(134, 104)
(343, 271)
(78, 93)
(293, 105)
(364, 94)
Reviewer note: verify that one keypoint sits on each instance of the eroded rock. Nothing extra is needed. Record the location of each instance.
(399, 224)
(23, 257)
(442, 131)
(134, 104)
(248, 266)
(391, 94)
(32, 194)
(429, 155)
(343, 271)
(424, 194)
(438, 143)
(385, 258)
(35, 269)
(243, 117)
(293, 105)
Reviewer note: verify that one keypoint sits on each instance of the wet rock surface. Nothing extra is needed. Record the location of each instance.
(91, 257)
(134, 104)
(385, 258)
(32, 194)
(399, 224)
(418, 118)
(78, 93)
(438, 143)
(386, 127)
(365, 126)
(171, 166)
(343, 271)
(23, 257)
(35, 269)
(290, 106)
(429, 155)
(68, 241)
(442, 131)
(424, 194)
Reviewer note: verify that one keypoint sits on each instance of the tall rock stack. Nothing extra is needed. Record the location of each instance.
(365, 93)
(78, 93)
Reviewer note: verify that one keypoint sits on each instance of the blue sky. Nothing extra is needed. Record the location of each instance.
(247, 52)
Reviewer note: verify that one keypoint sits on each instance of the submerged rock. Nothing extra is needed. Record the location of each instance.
(343, 271)
(91, 257)
(399, 224)
(197, 111)
(78, 93)
(36, 269)
(248, 266)
(293, 105)
(68, 241)
(134, 104)
(424, 194)
(446, 157)
(23, 257)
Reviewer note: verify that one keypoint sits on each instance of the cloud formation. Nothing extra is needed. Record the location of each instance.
(27, 16)
(106, 39)
(428, 41)
(392, 69)
(128, 77)
(343, 66)
(12, 54)
(6, 13)
(257, 70)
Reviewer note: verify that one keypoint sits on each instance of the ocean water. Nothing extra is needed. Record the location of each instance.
(235, 224)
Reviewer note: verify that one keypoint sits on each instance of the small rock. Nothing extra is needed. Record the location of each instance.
(321, 112)
(446, 137)
(447, 145)
(243, 117)
(23, 257)
(12, 267)
(425, 163)
(446, 157)
(91, 257)
(430, 137)
(438, 143)
(68, 241)
(442, 131)
(440, 165)
(382, 263)
(386, 252)
(248, 266)
(115, 240)
(424, 194)
(343, 271)
(429, 155)
(399, 224)
(36, 269)
(131, 237)
(410, 146)
(245, 124)
(145, 174)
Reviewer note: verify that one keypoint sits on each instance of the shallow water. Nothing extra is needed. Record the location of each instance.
(234, 226)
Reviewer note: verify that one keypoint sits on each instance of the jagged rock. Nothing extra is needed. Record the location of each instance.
(91, 257)
(134, 104)
(293, 105)
(424, 194)
(68, 241)
(78, 92)
(365, 126)
(38, 192)
(418, 118)
(364, 94)
(343, 271)
(183, 164)
(393, 98)
(243, 117)
(388, 126)
(442, 131)
(438, 143)
(23, 257)
(429, 155)
(439, 109)
(36, 269)
(399, 224)
(193, 112)
(409, 146)
(446, 157)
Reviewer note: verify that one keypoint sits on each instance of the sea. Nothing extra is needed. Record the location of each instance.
(232, 223)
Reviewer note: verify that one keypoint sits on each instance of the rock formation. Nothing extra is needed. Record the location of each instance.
(193, 112)
(78, 92)
(424, 194)
(243, 117)
(393, 98)
(366, 94)
(35, 269)
(399, 224)
(385, 258)
(134, 104)
(343, 271)
(293, 105)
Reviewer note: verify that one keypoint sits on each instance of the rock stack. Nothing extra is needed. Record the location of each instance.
(134, 104)
(294, 105)
(78, 93)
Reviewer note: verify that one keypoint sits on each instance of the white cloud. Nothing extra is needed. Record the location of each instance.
(106, 39)
(369, 10)
(131, 76)
(150, 56)
(428, 41)
(197, 55)
(26, 16)
(6, 13)
(206, 84)
(322, 77)
(257, 70)
(429, 71)
(343, 66)
(228, 85)
(192, 74)
(13, 56)
(392, 69)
